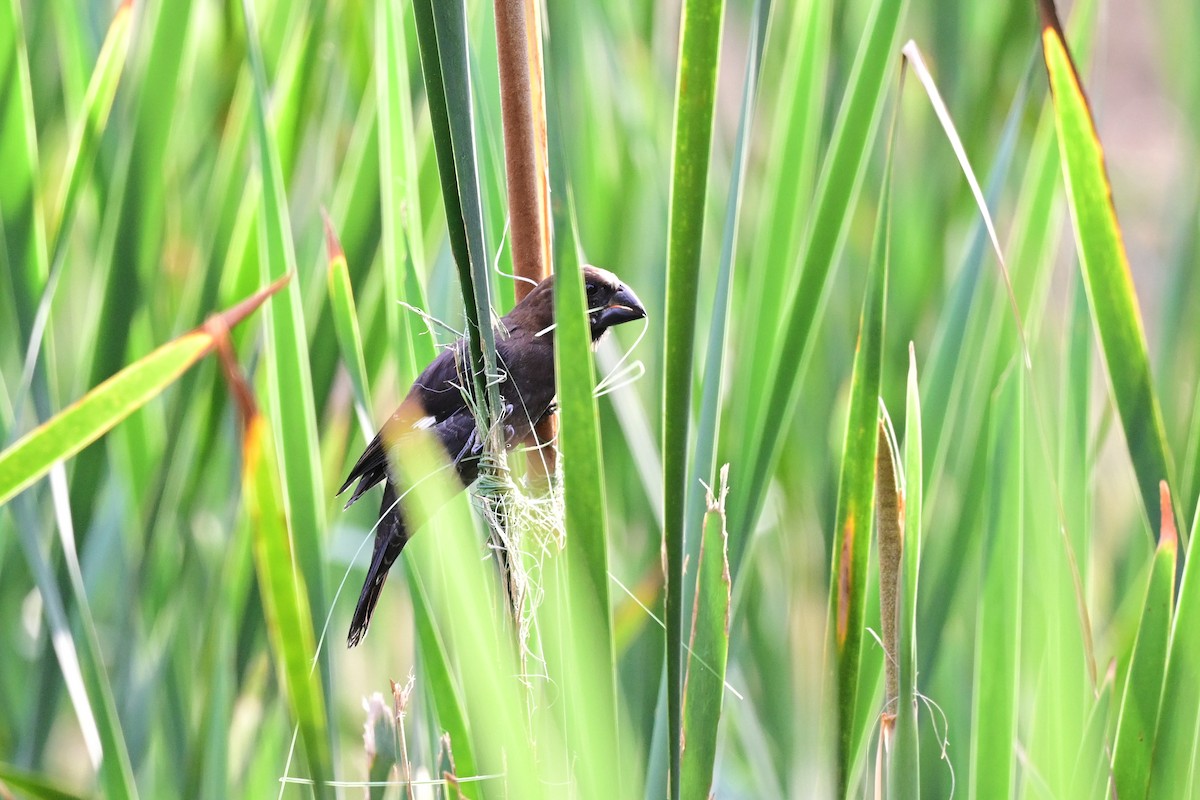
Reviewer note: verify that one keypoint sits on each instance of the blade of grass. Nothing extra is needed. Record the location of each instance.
(856, 494)
(395, 161)
(97, 103)
(116, 771)
(837, 190)
(586, 517)
(101, 90)
(704, 682)
(1115, 313)
(460, 593)
(441, 33)
(99, 410)
(708, 426)
(1093, 767)
(1174, 768)
(1136, 724)
(998, 633)
(798, 98)
(290, 405)
(345, 323)
(20, 196)
(289, 623)
(696, 86)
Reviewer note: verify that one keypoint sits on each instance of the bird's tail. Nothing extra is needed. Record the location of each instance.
(389, 541)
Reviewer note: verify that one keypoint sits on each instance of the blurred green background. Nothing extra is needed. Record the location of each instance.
(167, 224)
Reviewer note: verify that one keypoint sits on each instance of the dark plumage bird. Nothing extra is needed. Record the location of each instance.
(525, 350)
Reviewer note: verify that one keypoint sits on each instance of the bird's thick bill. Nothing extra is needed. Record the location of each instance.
(623, 306)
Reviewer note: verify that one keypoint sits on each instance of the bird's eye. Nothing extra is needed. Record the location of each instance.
(591, 289)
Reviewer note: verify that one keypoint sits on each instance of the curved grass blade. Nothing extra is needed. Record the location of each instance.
(704, 683)
(1105, 265)
(1136, 725)
(99, 410)
(696, 87)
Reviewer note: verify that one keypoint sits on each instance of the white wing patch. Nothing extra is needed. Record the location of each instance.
(424, 423)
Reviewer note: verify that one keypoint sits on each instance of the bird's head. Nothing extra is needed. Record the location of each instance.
(609, 302)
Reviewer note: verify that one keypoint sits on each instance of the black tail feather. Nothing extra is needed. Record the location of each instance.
(390, 538)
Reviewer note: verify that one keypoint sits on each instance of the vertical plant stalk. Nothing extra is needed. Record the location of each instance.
(524, 119)
(696, 88)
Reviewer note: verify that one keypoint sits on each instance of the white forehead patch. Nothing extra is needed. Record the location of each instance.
(605, 275)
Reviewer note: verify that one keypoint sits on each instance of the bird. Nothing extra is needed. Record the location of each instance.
(436, 403)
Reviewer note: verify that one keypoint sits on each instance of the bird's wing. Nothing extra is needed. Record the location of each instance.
(438, 389)
(435, 397)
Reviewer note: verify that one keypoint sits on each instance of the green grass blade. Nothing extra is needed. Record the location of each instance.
(345, 323)
(98, 102)
(998, 633)
(442, 33)
(1093, 766)
(696, 86)
(708, 425)
(1174, 770)
(116, 771)
(137, 197)
(704, 683)
(24, 231)
(289, 623)
(586, 517)
(290, 404)
(798, 100)
(1134, 745)
(99, 410)
(461, 589)
(395, 140)
(856, 498)
(1115, 313)
(101, 90)
(837, 190)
